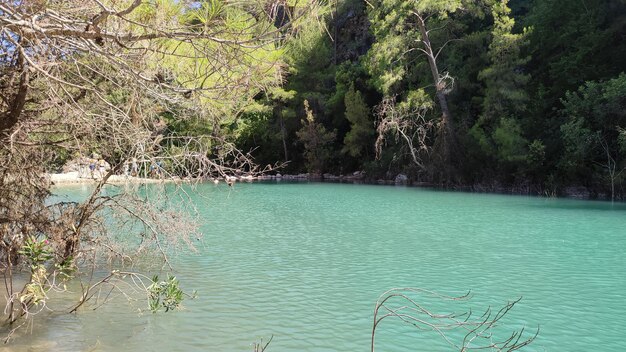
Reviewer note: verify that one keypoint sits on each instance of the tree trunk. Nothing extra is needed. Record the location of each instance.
(335, 34)
(446, 129)
(282, 135)
(10, 118)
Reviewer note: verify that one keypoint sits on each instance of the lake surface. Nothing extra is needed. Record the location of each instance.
(305, 262)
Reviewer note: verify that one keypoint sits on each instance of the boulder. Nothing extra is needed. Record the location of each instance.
(401, 178)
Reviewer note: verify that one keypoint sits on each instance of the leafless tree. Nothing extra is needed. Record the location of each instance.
(409, 124)
(410, 305)
(443, 83)
(611, 165)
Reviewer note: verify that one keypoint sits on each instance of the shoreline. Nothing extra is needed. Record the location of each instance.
(573, 192)
(73, 177)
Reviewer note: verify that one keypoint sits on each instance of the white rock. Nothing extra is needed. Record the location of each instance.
(401, 178)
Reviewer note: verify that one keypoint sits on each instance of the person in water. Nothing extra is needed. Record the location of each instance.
(101, 167)
(92, 166)
(126, 168)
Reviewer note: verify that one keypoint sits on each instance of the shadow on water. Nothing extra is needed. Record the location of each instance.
(586, 205)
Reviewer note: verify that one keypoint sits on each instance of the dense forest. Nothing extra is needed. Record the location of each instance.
(489, 94)
(494, 95)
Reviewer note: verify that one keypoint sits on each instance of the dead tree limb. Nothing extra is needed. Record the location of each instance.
(409, 305)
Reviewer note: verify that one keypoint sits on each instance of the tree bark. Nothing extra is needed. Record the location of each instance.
(283, 137)
(10, 117)
(446, 130)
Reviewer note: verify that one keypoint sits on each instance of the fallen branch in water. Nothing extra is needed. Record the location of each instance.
(406, 304)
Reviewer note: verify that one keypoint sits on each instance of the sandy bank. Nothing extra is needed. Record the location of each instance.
(74, 177)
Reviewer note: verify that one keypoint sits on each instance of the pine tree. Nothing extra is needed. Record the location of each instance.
(360, 137)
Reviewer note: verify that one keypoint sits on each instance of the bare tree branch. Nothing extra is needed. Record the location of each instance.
(409, 124)
(404, 304)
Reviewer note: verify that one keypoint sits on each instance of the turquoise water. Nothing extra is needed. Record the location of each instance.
(305, 262)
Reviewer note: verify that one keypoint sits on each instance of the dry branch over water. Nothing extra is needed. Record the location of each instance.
(105, 81)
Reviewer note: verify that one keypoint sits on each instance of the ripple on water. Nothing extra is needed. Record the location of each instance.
(306, 262)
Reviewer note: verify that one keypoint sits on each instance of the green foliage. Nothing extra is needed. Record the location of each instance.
(317, 142)
(593, 132)
(514, 119)
(395, 60)
(574, 42)
(208, 12)
(498, 131)
(505, 93)
(164, 294)
(35, 291)
(255, 62)
(36, 252)
(66, 268)
(508, 138)
(360, 138)
(281, 95)
(622, 140)
(536, 154)
(310, 56)
(579, 141)
(395, 45)
(484, 142)
(347, 74)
